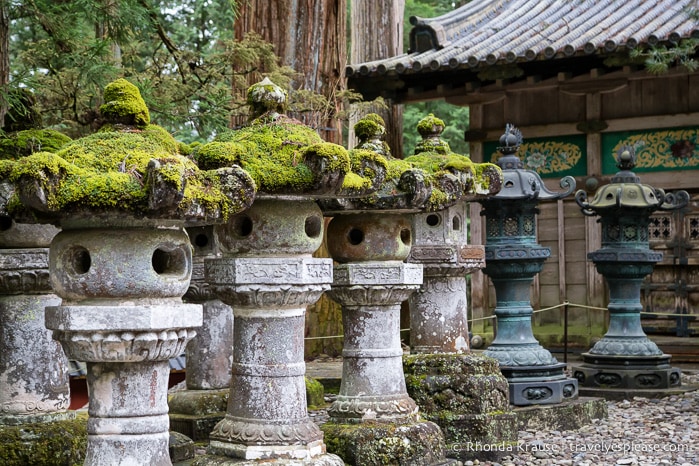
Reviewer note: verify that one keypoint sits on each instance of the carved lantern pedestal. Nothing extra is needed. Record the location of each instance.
(625, 358)
(513, 259)
(374, 421)
(34, 389)
(121, 285)
(462, 392)
(195, 411)
(268, 276)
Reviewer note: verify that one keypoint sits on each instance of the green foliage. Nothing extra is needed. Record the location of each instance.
(455, 118)
(658, 59)
(181, 54)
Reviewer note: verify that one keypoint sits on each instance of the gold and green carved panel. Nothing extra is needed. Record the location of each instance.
(549, 157)
(659, 150)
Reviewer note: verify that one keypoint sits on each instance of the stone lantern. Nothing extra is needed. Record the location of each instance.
(374, 420)
(462, 392)
(209, 355)
(121, 264)
(34, 370)
(267, 273)
(513, 258)
(625, 358)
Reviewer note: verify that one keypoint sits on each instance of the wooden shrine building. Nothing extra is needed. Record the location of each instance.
(569, 76)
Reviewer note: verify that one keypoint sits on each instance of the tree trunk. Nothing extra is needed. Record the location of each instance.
(377, 32)
(4, 59)
(310, 37)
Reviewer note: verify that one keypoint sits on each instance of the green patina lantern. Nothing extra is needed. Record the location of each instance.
(513, 258)
(625, 357)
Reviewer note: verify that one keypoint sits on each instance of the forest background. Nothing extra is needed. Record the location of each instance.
(193, 61)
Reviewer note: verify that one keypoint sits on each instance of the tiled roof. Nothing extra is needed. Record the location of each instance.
(496, 32)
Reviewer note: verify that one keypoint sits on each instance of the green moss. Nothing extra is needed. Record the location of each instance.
(109, 170)
(396, 167)
(42, 444)
(23, 143)
(435, 162)
(276, 155)
(377, 444)
(370, 125)
(124, 104)
(335, 158)
(186, 149)
(429, 124)
(315, 393)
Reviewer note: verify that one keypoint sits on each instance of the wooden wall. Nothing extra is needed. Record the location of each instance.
(593, 105)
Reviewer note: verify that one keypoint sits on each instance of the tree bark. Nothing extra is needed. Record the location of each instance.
(377, 32)
(310, 37)
(4, 59)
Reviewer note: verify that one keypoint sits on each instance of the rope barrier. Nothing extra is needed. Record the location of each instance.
(566, 303)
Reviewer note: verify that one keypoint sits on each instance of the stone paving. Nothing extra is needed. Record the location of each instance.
(638, 432)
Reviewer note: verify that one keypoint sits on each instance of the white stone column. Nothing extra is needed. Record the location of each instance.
(122, 313)
(373, 385)
(438, 311)
(209, 355)
(374, 421)
(268, 276)
(33, 368)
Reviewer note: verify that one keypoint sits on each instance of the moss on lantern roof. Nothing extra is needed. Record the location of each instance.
(370, 125)
(22, 143)
(285, 156)
(431, 180)
(429, 125)
(124, 169)
(124, 104)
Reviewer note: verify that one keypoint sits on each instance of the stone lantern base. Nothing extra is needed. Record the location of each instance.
(127, 373)
(372, 443)
(195, 413)
(467, 396)
(627, 372)
(57, 438)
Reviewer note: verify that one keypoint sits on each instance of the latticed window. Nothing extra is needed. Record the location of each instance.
(511, 226)
(492, 226)
(660, 228)
(528, 225)
(613, 232)
(693, 227)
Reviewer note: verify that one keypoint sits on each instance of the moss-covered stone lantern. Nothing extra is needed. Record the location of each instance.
(374, 421)
(267, 274)
(462, 392)
(122, 262)
(625, 358)
(34, 371)
(513, 258)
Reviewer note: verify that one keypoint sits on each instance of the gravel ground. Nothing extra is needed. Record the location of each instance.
(638, 432)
